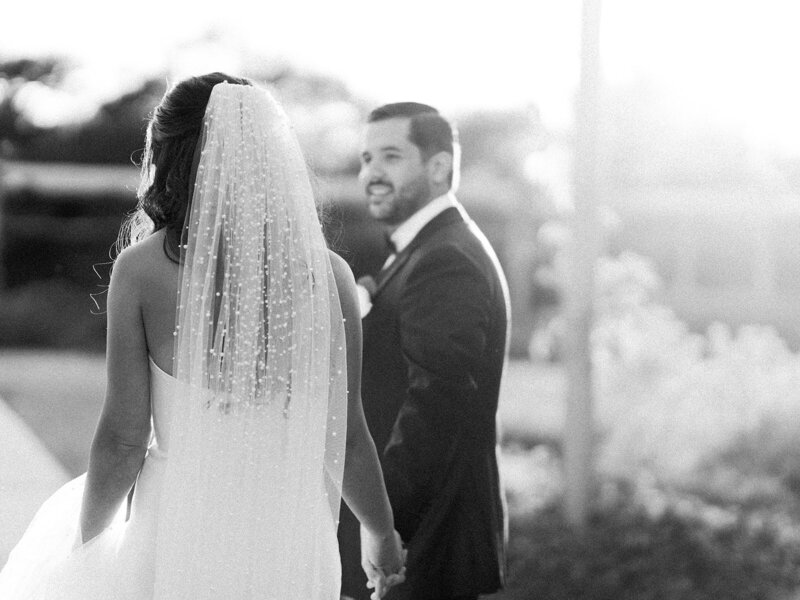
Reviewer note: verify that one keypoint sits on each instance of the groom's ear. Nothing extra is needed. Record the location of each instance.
(440, 165)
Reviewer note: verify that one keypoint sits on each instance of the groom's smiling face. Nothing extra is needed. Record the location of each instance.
(393, 172)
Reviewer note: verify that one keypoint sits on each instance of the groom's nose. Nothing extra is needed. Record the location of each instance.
(371, 171)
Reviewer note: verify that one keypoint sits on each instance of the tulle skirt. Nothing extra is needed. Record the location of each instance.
(50, 562)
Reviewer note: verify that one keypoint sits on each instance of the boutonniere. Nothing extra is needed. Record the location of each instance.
(365, 286)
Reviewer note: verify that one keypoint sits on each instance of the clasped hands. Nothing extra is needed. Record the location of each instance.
(383, 560)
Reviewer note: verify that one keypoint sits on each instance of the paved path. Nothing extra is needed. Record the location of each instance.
(28, 475)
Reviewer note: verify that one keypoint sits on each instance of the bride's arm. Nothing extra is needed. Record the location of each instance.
(122, 434)
(363, 488)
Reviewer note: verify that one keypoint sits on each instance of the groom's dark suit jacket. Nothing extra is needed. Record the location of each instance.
(435, 343)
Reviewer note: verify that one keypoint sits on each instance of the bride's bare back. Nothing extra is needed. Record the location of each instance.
(157, 280)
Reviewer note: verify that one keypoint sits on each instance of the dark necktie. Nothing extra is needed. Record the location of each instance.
(392, 251)
(389, 243)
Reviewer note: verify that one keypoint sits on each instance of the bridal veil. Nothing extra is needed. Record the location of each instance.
(243, 500)
(253, 483)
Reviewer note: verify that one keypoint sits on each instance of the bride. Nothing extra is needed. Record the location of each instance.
(232, 423)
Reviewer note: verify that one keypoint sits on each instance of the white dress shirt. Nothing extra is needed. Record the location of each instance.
(404, 235)
(408, 229)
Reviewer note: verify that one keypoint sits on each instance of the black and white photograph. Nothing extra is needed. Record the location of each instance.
(410, 301)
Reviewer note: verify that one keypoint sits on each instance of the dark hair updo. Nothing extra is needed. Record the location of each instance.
(167, 164)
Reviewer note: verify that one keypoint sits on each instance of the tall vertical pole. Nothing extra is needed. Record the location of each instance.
(2, 227)
(578, 435)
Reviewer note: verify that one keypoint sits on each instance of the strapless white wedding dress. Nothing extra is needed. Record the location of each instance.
(119, 564)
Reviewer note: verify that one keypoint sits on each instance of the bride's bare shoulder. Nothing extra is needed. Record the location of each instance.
(341, 270)
(144, 260)
(345, 284)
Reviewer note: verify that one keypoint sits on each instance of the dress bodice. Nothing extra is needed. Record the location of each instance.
(162, 393)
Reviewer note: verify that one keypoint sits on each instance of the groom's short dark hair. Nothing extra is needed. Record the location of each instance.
(429, 131)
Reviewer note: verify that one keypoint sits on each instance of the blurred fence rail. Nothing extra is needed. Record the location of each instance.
(725, 255)
(61, 220)
(57, 179)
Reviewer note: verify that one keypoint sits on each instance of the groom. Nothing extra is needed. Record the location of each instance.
(435, 341)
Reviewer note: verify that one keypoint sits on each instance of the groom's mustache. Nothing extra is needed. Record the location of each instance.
(375, 182)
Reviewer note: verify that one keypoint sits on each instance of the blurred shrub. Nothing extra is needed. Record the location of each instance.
(759, 470)
(701, 430)
(669, 400)
(532, 477)
(628, 553)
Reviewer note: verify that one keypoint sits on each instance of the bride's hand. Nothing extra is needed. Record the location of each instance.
(383, 561)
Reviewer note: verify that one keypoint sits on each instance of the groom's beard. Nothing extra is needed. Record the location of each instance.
(399, 203)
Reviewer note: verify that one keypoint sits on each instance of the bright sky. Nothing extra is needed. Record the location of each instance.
(728, 61)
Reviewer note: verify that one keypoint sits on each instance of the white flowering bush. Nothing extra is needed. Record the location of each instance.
(698, 491)
(669, 400)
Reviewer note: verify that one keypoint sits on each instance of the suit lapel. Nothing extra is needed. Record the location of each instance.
(443, 219)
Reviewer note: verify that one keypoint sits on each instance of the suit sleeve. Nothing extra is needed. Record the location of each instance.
(444, 320)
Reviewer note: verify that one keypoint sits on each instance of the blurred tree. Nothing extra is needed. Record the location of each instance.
(30, 69)
(646, 142)
(788, 169)
(14, 74)
(326, 115)
(496, 147)
(110, 135)
(501, 140)
(113, 135)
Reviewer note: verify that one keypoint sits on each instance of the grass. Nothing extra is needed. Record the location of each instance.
(59, 395)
